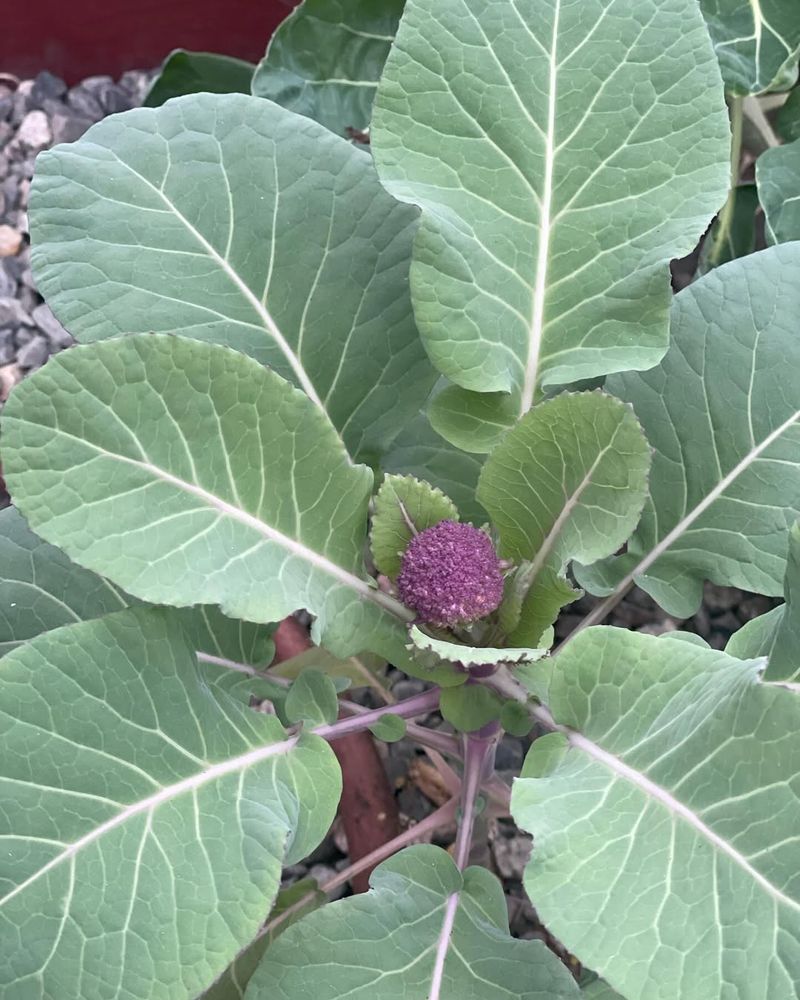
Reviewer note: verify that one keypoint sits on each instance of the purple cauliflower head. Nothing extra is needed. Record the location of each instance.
(449, 574)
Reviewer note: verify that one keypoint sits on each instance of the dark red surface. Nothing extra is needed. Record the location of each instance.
(79, 38)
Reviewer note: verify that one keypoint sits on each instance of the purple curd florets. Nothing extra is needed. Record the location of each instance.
(450, 574)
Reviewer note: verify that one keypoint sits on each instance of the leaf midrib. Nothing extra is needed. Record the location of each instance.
(665, 798)
(543, 251)
(148, 805)
(316, 559)
(255, 303)
(661, 548)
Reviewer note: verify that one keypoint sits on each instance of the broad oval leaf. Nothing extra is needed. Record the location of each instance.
(721, 412)
(423, 932)
(292, 903)
(209, 480)
(312, 699)
(419, 451)
(778, 179)
(470, 707)
(229, 219)
(474, 422)
(568, 482)
(150, 818)
(326, 58)
(665, 812)
(389, 728)
(598, 990)
(757, 42)
(561, 155)
(42, 589)
(191, 72)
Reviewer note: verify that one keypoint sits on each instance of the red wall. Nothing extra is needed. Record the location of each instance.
(78, 38)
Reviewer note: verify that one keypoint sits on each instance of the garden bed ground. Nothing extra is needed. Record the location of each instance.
(35, 114)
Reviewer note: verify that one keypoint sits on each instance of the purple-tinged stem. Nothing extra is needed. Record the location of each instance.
(420, 704)
(478, 752)
(434, 739)
(478, 755)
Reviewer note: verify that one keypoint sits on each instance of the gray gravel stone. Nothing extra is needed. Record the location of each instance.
(43, 317)
(323, 874)
(511, 849)
(13, 314)
(8, 283)
(34, 353)
(68, 127)
(34, 131)
(8, 349)
(45, 86)
(34, 114)
(84, 102)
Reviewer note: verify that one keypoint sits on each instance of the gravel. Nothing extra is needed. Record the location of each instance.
(34, 115)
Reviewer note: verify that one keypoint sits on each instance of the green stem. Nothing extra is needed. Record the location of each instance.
(725, 220)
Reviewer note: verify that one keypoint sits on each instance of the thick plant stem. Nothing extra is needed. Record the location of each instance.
(420, 704)
(478, 759)
(726, 215)
(754, 110)
(478, 754)
(443, 742)
(441, 817)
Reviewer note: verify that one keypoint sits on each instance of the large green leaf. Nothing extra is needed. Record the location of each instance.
(419, 451)
(41, 589)
(757, 42)
(226, 218)
(778, 178)
(474, 422)
(568, 482)
(561, 155)
(326, 58)
(145, 819)
(721, 412)
(191, 72)
(776, 634)
(424, 932)
(188, 473)
(598, 990)
(665, 814)
(292, 903)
